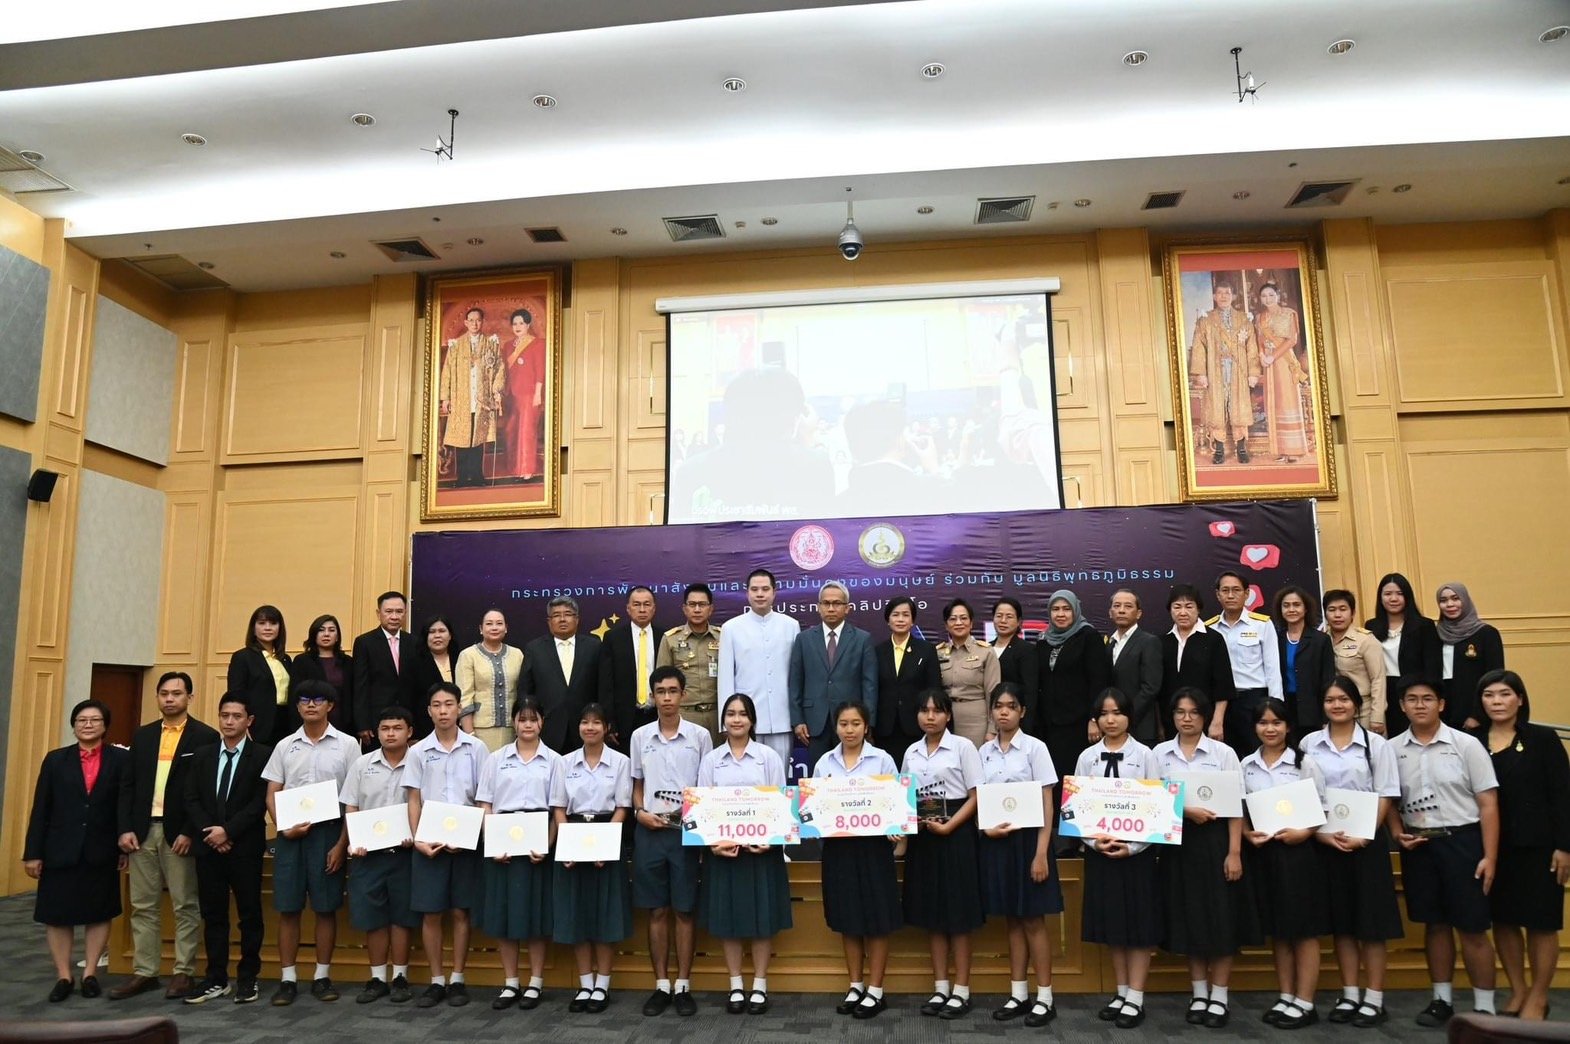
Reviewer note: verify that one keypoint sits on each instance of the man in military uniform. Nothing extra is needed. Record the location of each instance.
(1223, 362)
(694, 647)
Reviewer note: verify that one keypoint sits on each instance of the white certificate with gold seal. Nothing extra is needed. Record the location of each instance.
(456, 826)
(588, 842)
(517, 834)
(374, 829)
(1291, 806)
(1017, 804)
(312, 803)
(1351, 812)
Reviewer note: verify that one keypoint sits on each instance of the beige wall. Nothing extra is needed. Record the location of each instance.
(293, 470)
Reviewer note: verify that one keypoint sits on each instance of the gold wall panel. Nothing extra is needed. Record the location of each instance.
(193, 378)
(73, 368)
(295, 394)
(593, 501)
(591, 366)
(187, 544)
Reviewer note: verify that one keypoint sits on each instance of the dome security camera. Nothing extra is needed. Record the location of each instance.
(850, 242)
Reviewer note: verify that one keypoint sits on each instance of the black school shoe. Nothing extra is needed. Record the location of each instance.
(934, 1005)
(870, 1007)
(1345, 1011)
(852, 998)
(686, 1005)
(1129, 1019)
(1113, 1009)
(63, 988)
(1040, 1014)
(1437, 1013)
(434, 994)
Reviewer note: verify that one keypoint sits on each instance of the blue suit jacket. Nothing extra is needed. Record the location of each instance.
(815, 690)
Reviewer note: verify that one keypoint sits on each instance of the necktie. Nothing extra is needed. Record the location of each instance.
(834, 649)
(392, 643)
(1112, 760)
(899, 657)
(564, 650)
(643, 668)
(226, 777)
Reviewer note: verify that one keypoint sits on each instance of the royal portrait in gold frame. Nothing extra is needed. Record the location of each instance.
(493, 362)
(1252, 415)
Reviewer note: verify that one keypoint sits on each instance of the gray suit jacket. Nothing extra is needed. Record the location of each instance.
(815, 690)
(1138, 674)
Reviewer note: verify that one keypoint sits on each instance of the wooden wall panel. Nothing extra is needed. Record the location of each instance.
(295, 395)
(187, 545)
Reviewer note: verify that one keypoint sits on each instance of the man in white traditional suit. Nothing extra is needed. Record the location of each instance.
(830, 664)
(755, 660)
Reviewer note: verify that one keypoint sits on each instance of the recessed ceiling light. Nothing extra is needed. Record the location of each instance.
(1372, 190)
(205, 264)
(543, 101)
(337, 255)
(1136, 58)
(1082, 202)
(733, 85)
(1241, 194)
(1402, 188)
(191, 138)
(770, 221)
(618, 231)
(1558, 32)
(1053, 205)
(932, 70)
(741, 224)
(923, 210)
(475, 241)
(363, 119)
(1341, 46)
(35, 158)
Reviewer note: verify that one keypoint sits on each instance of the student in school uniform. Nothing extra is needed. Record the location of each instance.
(666, 754)
(1287, 868)
(1019, 878)
(516, 904)
(1209, 910)
(1122, 902)
(860, 893)
(1448, 829)
(1363, 913)
(942, 880)
(589, 910)
(746, 891)
(379, 881)
(308, 860)
(444, 766)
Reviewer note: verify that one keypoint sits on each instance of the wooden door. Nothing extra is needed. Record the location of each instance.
(120, 689)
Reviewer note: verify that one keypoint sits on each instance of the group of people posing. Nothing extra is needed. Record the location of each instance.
(614, 730)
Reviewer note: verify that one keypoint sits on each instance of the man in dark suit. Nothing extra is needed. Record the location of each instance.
(157, 841)
(225, 799)
(562, 671)
(829, 665)
(381, 658)
(626, 658)
(1136, 665)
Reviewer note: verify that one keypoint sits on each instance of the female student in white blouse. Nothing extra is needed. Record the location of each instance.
(1122, 906)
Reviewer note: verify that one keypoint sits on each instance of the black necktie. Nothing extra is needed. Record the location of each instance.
(1112, 760)
(226, 776)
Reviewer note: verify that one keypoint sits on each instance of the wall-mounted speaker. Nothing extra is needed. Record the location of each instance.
(42, 485)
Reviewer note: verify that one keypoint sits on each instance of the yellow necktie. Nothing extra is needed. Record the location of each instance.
(899, 657)
(643, 668)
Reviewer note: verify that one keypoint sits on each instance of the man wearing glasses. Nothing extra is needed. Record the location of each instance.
(830, 665)
(694, 649)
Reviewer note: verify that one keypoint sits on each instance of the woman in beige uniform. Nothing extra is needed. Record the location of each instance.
(969, 671)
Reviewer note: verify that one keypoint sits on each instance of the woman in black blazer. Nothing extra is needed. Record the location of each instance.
(1017, 660)
(1534, 840)
(260, 673)
(72, 846)
(1200, 660)
(323, 659)
(1308, 661)
(1468, 649)
(899, 690)
(1073, 667)
(433, 663)
(1417, 656)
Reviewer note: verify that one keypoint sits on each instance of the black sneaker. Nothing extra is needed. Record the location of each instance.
(400, 992)
(1437, 1013)
(457, 995)
(207, 990)
(658, 1001)
(373, 991)
(324, 990)
(685, 1003)
(285, 994)
(434, 994)
(246, 992)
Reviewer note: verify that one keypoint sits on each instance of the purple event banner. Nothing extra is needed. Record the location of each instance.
(933, 558)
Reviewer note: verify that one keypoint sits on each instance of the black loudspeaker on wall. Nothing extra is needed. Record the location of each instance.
(42, 485)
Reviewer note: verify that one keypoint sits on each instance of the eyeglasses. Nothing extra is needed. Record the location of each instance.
(315, 699)
(697, 605)
(1187, 712)
(1419, 701)
(88, 721)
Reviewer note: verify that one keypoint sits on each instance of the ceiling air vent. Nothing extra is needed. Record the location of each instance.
(1162, 200)
(175, 272)
(18, 175)
(546, 235)
(406, 250)
(1004, 209)
(690, 229)
(1321, 194)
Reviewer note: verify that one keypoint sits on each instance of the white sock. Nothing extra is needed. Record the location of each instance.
(962, 992)
(1201, 988)
(855, 991)
(288, 974)
(1135, 997)
(586, 982)
(1349, 993)
(536, 982)
(400, 969)
(942, 987)
(1019, 989)
(457, 978)
(1442, 992)
(663, 985)
(1483, 1000)
(438, 980)
(1282, 1005)
(1374, 998)
(379, 971)
(1218, 994)
(875, 992)
(1122, 989)
(1306, 1003)
(760, 984)
(735, 982)
(1044, 995)
(512, 982)
(602, 982)
(683, 985)
(1286, 998)
(323, 971)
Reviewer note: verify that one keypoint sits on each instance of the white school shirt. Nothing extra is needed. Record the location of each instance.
(1139, 762)
(666, 766)
(1440, 779)
(597, 790)
(374, 782)
(1349, 769)
(758, 766)
(1026, 760)
(440, 774)
(873, 762)
(298, 760)
(951, 772)
(509, 783)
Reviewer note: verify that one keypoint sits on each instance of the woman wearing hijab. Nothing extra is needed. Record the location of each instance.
(1468, 649)
(1073, 666)
(1410, 641)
